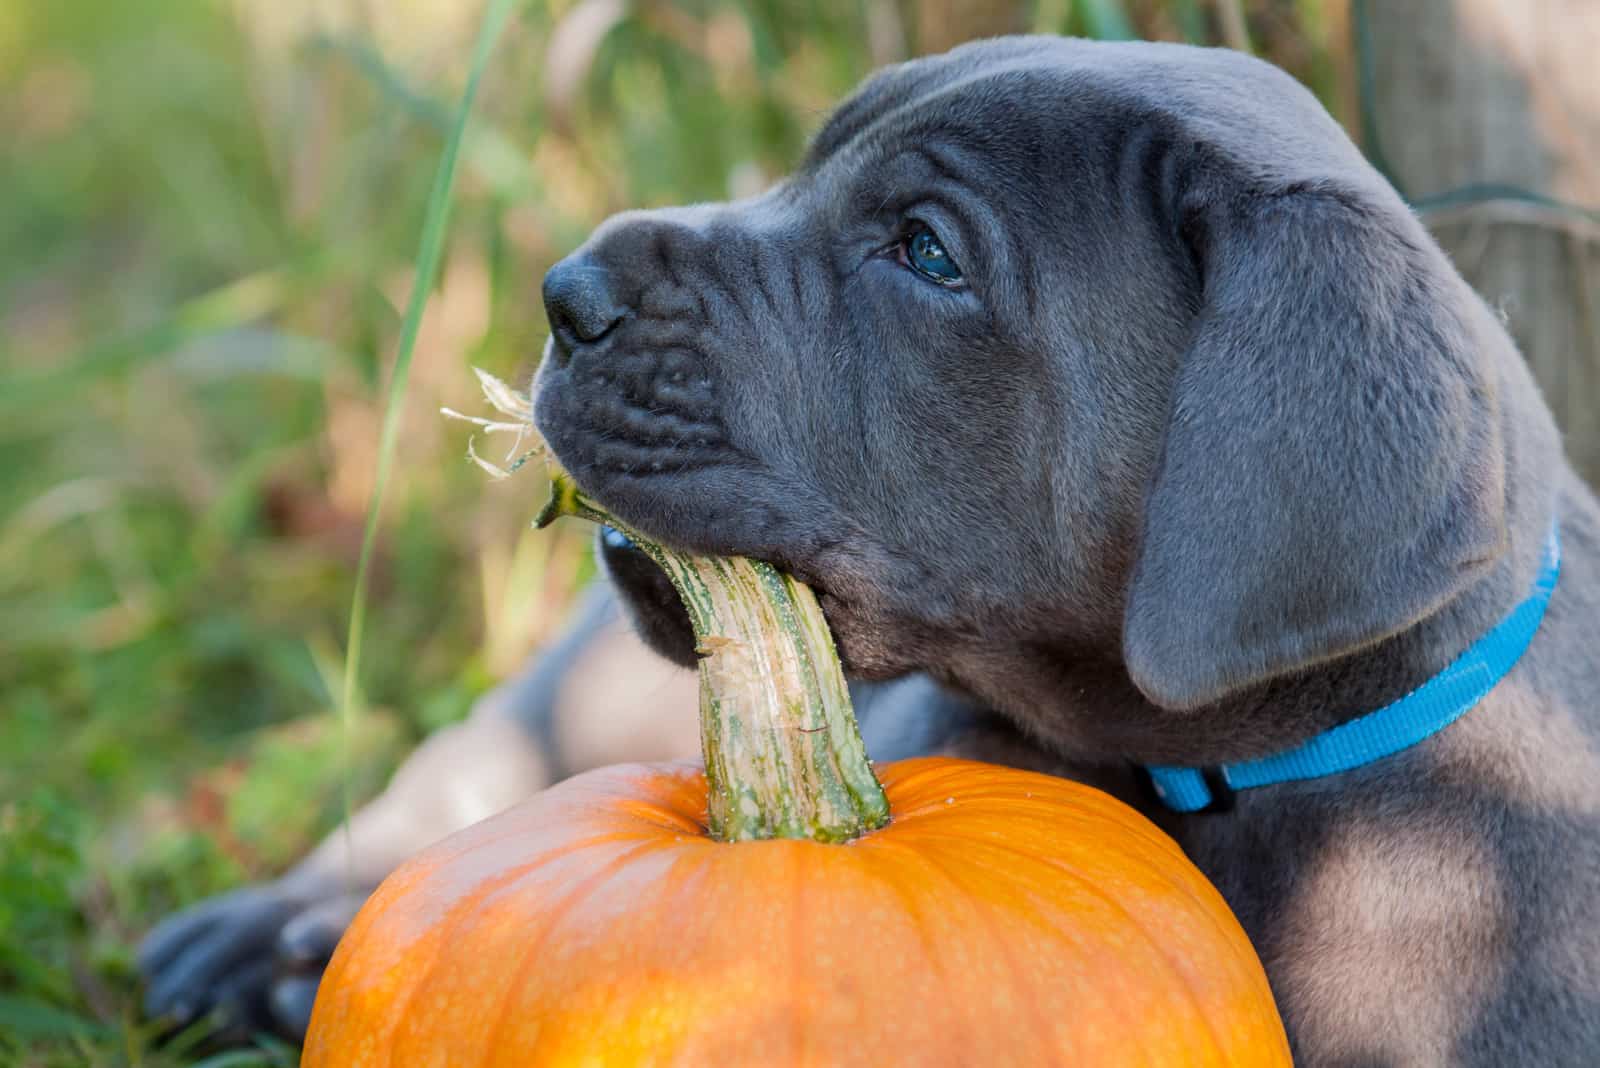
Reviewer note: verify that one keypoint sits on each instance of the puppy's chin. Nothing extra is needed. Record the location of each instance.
(647, 596)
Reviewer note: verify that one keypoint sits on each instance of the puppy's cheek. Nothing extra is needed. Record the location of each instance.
(867, 645)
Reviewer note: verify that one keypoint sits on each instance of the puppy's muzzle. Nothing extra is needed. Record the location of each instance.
(630, 394)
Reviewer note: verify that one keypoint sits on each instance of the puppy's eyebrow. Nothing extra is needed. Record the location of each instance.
(884, 183)
(939, 158)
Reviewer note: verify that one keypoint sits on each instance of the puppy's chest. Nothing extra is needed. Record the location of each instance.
(1377, 939)
(1415, 929)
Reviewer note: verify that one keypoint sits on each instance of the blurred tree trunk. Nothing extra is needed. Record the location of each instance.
(1470, 92)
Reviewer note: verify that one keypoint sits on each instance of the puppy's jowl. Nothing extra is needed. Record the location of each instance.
(1119, 411)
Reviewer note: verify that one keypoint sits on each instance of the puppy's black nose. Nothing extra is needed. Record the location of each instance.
(579, 302)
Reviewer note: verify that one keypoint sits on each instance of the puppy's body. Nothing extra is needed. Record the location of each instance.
(1184, 446)
(1208, 451)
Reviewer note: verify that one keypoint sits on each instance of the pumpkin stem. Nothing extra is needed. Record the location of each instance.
(783, 753)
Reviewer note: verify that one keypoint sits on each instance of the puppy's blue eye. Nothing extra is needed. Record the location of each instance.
(926, 254)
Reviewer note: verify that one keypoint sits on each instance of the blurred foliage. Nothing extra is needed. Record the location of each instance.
(208, 219)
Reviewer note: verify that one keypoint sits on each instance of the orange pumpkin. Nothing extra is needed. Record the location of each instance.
(1000, 918)
(768, 911)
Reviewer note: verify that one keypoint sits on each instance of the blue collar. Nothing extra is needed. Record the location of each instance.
(1424, 711)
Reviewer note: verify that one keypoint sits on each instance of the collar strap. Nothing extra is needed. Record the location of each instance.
(1423, 712)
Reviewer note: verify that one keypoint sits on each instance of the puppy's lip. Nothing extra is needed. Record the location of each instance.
(616, 539)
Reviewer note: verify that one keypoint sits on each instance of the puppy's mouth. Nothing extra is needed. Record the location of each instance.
(653, 605)
(667, 465)
(626, 409)
(617, 544)
(710, 498)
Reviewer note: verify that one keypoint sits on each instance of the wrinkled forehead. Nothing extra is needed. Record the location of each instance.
(949, 102)
(1022, 104)
(976, 138)
(892, 88)
(1005, 118)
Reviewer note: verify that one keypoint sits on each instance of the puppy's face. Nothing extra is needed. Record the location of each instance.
(931, 373)
(903, 374)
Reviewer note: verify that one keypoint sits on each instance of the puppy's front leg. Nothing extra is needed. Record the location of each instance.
(597, 695)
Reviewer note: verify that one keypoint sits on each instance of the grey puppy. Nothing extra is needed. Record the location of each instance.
(1107, 387)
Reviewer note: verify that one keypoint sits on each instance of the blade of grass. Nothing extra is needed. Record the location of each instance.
(490, 152)
(435, 223)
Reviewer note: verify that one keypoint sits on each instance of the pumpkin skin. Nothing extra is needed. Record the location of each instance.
(1002, 917)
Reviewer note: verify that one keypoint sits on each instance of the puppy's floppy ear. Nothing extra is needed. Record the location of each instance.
(1332, 470)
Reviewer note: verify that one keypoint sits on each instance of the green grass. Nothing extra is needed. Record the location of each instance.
(219, 223)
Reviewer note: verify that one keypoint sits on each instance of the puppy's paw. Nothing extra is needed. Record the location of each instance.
(249, 959)
(305, 945)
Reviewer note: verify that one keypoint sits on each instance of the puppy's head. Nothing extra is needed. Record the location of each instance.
(1047, 345)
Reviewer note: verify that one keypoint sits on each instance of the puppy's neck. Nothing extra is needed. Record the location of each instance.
(1081, 701)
